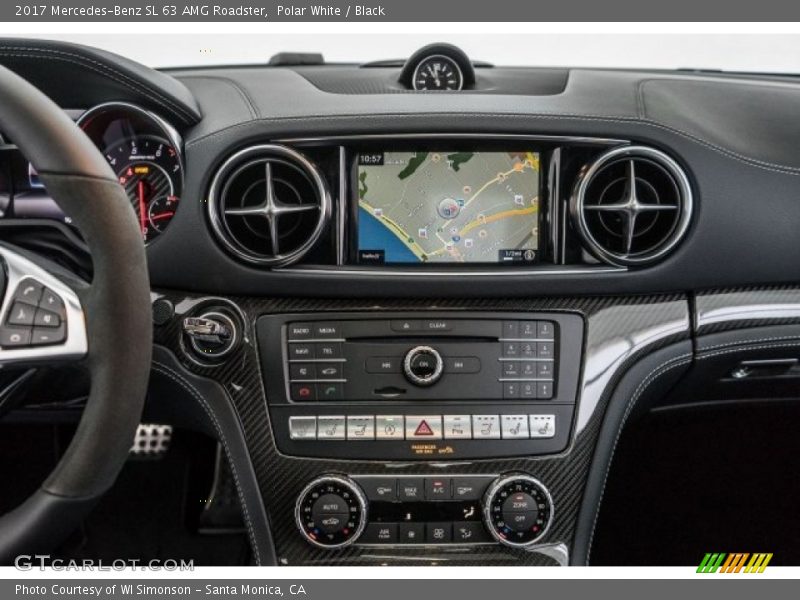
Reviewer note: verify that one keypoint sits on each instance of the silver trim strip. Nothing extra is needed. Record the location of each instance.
(518, 273)
(76, 344)
(748, 305)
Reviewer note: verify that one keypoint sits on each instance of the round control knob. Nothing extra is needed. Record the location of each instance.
(331, 512)
(423, 366)
(517, 510)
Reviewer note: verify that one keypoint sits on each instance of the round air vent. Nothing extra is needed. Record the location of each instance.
(268, 205)
(632, 205)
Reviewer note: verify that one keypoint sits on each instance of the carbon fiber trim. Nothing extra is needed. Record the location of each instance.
(737, 309)
(618, 331)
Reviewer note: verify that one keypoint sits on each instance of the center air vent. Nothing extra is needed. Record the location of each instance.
(632, 205)
(268, 205)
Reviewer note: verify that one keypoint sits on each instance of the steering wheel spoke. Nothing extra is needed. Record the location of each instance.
(41, 318)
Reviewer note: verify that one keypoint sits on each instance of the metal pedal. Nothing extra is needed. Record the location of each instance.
(151, 440)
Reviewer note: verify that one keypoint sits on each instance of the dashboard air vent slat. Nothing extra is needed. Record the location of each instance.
(632, 205)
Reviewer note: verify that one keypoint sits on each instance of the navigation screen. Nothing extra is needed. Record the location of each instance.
(448, 207)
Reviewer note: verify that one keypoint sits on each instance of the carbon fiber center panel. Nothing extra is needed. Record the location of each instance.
(617, 332)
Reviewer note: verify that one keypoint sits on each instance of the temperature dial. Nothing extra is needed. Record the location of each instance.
(331, 512)
(518, 510)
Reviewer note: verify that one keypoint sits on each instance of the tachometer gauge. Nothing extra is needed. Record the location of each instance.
(149, 169)
(437, 73)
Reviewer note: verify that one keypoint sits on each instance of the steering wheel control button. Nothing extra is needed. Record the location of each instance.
(303, 428)
(45, 336)
(331, 512)
(45, 318)
(486, 427)
(51, 301)
(424, 427)
(14, 337)
(29, 291)
(518, 510)
(423, 366)
(21, 314)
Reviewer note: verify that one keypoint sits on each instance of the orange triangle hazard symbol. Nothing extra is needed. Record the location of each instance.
(424, 429)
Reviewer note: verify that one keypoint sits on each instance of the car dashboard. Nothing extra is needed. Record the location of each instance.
(417, 320)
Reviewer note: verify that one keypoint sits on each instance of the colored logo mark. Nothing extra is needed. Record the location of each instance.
(737, 562)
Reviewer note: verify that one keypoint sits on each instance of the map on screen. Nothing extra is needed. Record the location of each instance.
(434, 207)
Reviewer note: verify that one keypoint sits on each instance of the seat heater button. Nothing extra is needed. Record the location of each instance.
(21, 314)
(514, 427)
(361, 428)
(330, 428)
(486, 427)
(542, 426)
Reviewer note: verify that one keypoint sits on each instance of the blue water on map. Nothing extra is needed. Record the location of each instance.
(372, 235)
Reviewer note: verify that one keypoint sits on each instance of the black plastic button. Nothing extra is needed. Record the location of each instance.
(328, 350)
(29, 291)
(520, 521)
(379, 488)
(511, 349)
(46, 318)
(469, 532)
(467, 364)
(527, 330)
(527, 389)
(383, 364)
(301, 351)
(544, 390)
(511, 368)
(439, 533)
(43, 336)
(412, 533)
(469, 488)
(545, 349)
(528, 369)
(510, 389)
(303, 392)
(544, 370)
(300, 331)
(437, 325)
(411, 488)
(14, 336)
(438, 488)
(332, 523)
(330, 391)
(510, 330)
(380, 533)
(328, 504)
(52, 302)
(21, 314)
(527, 349)
(329, 370)
(322, 331)
(545, 330)
(405, 325)
(302, 371)
(519, 502)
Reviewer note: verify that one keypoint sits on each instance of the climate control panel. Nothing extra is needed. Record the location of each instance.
(334, 511)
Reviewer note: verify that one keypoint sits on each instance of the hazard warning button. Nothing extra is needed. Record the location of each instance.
(424, 427)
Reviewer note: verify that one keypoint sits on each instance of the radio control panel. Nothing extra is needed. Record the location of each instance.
(421, 385)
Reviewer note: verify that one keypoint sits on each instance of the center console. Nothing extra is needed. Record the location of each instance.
(421, 386)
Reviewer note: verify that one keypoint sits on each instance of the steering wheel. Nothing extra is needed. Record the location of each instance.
(107, 323)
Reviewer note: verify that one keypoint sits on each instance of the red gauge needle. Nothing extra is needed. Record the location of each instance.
(163, 215)
(142, 207)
